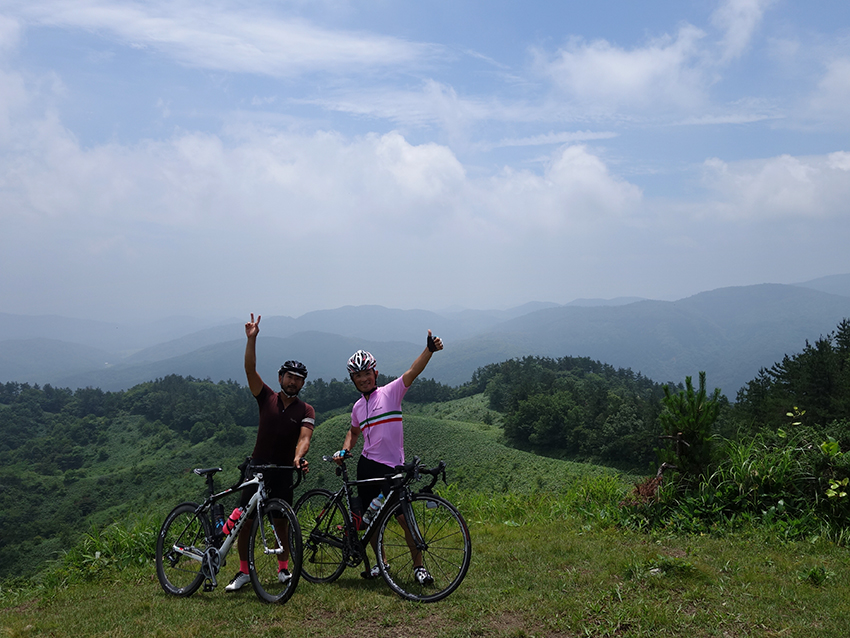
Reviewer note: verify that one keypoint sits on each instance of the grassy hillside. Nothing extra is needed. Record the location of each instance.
(477, 458)
(134, 468)
(560, 572)
(548, 557)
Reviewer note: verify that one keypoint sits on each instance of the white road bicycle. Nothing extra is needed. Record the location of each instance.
(190, 551)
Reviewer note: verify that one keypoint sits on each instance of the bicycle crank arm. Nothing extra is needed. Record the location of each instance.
(209, 568)
(317, 539)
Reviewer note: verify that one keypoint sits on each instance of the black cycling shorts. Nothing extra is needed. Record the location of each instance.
(368, 469)
(278, 485)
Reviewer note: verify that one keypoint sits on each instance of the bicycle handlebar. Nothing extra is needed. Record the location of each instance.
(247, 466)
(411, 470)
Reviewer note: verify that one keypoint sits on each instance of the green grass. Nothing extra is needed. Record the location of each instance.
(134, 473)
(548, 558)
(550, 575)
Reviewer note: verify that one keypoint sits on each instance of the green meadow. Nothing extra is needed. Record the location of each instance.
(553, 555)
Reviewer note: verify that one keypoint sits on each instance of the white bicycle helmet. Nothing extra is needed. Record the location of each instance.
(361, 360)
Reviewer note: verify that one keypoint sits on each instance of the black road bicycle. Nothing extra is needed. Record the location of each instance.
(411, 525)
(190, 551)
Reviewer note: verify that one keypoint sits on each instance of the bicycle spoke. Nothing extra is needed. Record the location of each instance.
(275, 538)
(322, 531)
(180, 547)
(445, 556)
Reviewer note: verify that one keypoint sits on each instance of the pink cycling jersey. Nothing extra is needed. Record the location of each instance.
(379, 419)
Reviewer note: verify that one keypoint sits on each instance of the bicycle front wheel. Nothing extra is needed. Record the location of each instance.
(323, 527)
(180, 549)
(275, 537)
(445, 553)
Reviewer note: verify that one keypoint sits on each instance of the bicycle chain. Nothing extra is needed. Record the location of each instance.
(352, 553)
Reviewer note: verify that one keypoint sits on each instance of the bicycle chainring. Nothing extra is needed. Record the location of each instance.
(210, 567)
(352, 552)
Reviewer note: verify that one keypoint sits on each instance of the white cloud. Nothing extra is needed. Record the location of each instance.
(13, 97)
(13, 92)
(433, 103)
(575, 194)
(563, 137)
(325, 182)
(228, 37)
(805, 188)
(735, 117)
(831, 99)
(739, 19)
(10, 32)
(663, 72)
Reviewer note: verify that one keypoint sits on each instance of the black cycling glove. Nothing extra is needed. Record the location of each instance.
(432, 347)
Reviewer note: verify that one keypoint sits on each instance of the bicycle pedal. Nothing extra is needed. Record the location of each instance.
(209, 586)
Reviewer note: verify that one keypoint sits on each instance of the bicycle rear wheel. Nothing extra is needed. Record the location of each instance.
(446, 555)
(275, 535)
(180, 548)
(323, 527)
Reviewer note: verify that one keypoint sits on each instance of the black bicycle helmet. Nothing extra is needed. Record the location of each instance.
(294, 367)
(361, 360)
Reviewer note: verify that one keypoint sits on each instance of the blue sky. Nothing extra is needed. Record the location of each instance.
(220, 158)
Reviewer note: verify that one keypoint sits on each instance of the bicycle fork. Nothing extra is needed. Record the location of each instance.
(279, 547)
(411, 526)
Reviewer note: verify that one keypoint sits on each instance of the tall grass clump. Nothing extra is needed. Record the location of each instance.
(117, 546)
(790, 483)
(98, 553)
(121, 544)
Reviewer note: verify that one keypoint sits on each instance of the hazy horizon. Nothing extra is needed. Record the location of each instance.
(591, 301)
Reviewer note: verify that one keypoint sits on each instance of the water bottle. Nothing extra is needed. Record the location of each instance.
(231, 521)
(218, 518)
(374, 507)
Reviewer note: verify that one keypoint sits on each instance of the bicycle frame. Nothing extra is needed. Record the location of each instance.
(212, 558)
(398, 491)
(421, 542)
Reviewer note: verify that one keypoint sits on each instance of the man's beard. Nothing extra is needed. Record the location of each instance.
(293, 394)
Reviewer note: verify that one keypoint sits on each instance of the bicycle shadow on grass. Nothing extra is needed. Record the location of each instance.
(351, 583)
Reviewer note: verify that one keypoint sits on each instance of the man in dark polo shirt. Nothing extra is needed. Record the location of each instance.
(283, 438)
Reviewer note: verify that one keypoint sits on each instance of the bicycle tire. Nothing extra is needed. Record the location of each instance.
(179, 574)
(267, 539)
(322, 533)
(447, 554)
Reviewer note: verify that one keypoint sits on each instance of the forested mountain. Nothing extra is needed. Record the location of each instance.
(730, 333)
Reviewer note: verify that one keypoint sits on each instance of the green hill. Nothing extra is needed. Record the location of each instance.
(126, 466)
(476, 457)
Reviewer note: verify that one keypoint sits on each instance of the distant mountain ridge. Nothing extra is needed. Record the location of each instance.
(730, 333)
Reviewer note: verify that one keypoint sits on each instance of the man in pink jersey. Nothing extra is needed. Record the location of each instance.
(377, 415)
